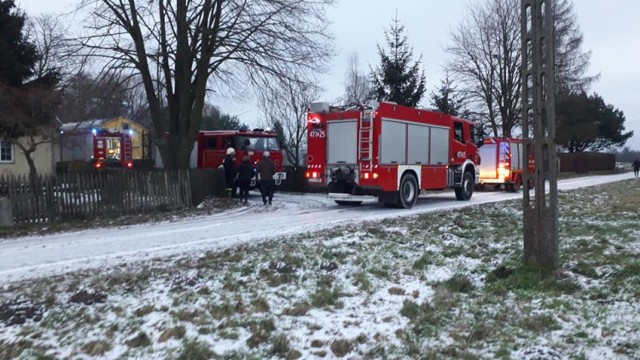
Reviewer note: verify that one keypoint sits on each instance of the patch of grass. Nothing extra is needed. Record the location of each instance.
(260, 332)
(585, 269)
(298, 309)
(361, 279)
(195, 350)
(177, 332)
(144, 310)
(280, 344)
(140, 340)
(195, 316)
(325, 296)
(225, 309)
(396, 291)
(230, 335)
(260, 304)
(539, 323)
(275, 279)
(529, 280)
(341, 347)
(459, 283)
(317, 343)
(481, 332)
(96, 347)
(424, 261)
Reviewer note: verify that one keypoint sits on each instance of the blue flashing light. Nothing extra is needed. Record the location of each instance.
(130, 131)
(94, 131)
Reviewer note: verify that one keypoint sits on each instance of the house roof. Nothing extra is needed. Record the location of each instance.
(83, 125)
(111, 124)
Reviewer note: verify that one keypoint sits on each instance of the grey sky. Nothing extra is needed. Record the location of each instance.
(610, 28)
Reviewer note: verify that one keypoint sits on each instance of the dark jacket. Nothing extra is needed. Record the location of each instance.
(266, 169)
(245, 172)
(229, 164)
(636, 165)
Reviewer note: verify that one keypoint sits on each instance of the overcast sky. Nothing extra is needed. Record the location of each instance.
(611, 31)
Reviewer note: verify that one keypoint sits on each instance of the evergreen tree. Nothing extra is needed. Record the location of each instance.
(17, 55)
(397, 79)
(445, 99)
(587, 123)
(214, 119)
(28, 100)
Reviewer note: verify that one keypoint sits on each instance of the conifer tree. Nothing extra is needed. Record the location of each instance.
(445, 100)
(397, 78)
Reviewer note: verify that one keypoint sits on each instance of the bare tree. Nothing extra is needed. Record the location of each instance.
(486, 59)
(357, 89)
(29, 111)
(57, 51)
(28, 118)
(571, 63)
(287, 106)
(180, 48)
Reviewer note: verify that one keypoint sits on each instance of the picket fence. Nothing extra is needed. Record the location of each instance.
(85, 195)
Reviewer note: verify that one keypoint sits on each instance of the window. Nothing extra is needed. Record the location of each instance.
(458, 132)
(258, 143)
(475, 135)
(6, 151)
(211, 142)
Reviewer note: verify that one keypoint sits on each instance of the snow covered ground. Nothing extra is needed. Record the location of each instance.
(284, 282)
(28, 257)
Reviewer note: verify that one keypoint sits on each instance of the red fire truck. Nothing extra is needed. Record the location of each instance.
(391, 152)
(111, 149)
(210, 148)
(503, 163)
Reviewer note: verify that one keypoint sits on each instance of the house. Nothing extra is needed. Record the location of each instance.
(77, 143)
(45, 156)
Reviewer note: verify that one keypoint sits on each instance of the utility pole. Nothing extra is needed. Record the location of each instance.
(539, 133)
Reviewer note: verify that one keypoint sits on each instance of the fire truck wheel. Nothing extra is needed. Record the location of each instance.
(348, 203)
(466, 190)
(408, 193)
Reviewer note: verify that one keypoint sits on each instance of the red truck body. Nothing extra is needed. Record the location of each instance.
(503, 163)
(391, 152)
(211, 148)
(111, 149)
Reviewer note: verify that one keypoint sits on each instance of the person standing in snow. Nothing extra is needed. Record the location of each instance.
(636, 167)
(243, 176)
(229, 164)
(266, 169)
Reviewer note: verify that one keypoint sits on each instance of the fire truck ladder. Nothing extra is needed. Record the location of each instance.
(365, 142)
(127, 148)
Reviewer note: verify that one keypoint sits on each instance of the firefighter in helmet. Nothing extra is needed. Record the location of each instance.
(229, 165)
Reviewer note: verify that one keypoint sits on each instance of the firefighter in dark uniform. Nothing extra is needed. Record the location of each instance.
(244, 176)
(229, 164)
(266, 169)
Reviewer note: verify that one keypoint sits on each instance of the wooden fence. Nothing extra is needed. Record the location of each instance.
(83, 195)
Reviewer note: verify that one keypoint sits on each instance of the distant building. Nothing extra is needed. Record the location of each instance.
(13, 161)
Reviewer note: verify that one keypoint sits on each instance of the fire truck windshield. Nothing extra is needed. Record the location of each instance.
(257, 143)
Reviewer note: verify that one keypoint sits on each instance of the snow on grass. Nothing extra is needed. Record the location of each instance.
(437, 285)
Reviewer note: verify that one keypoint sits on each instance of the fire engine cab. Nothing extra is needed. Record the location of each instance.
(503, 163)
(210, 148)
(391, 152)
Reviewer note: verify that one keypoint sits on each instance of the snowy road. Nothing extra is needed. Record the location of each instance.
(28, 257)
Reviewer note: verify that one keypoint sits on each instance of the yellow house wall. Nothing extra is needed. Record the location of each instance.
(117, 124)
(44, 157)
